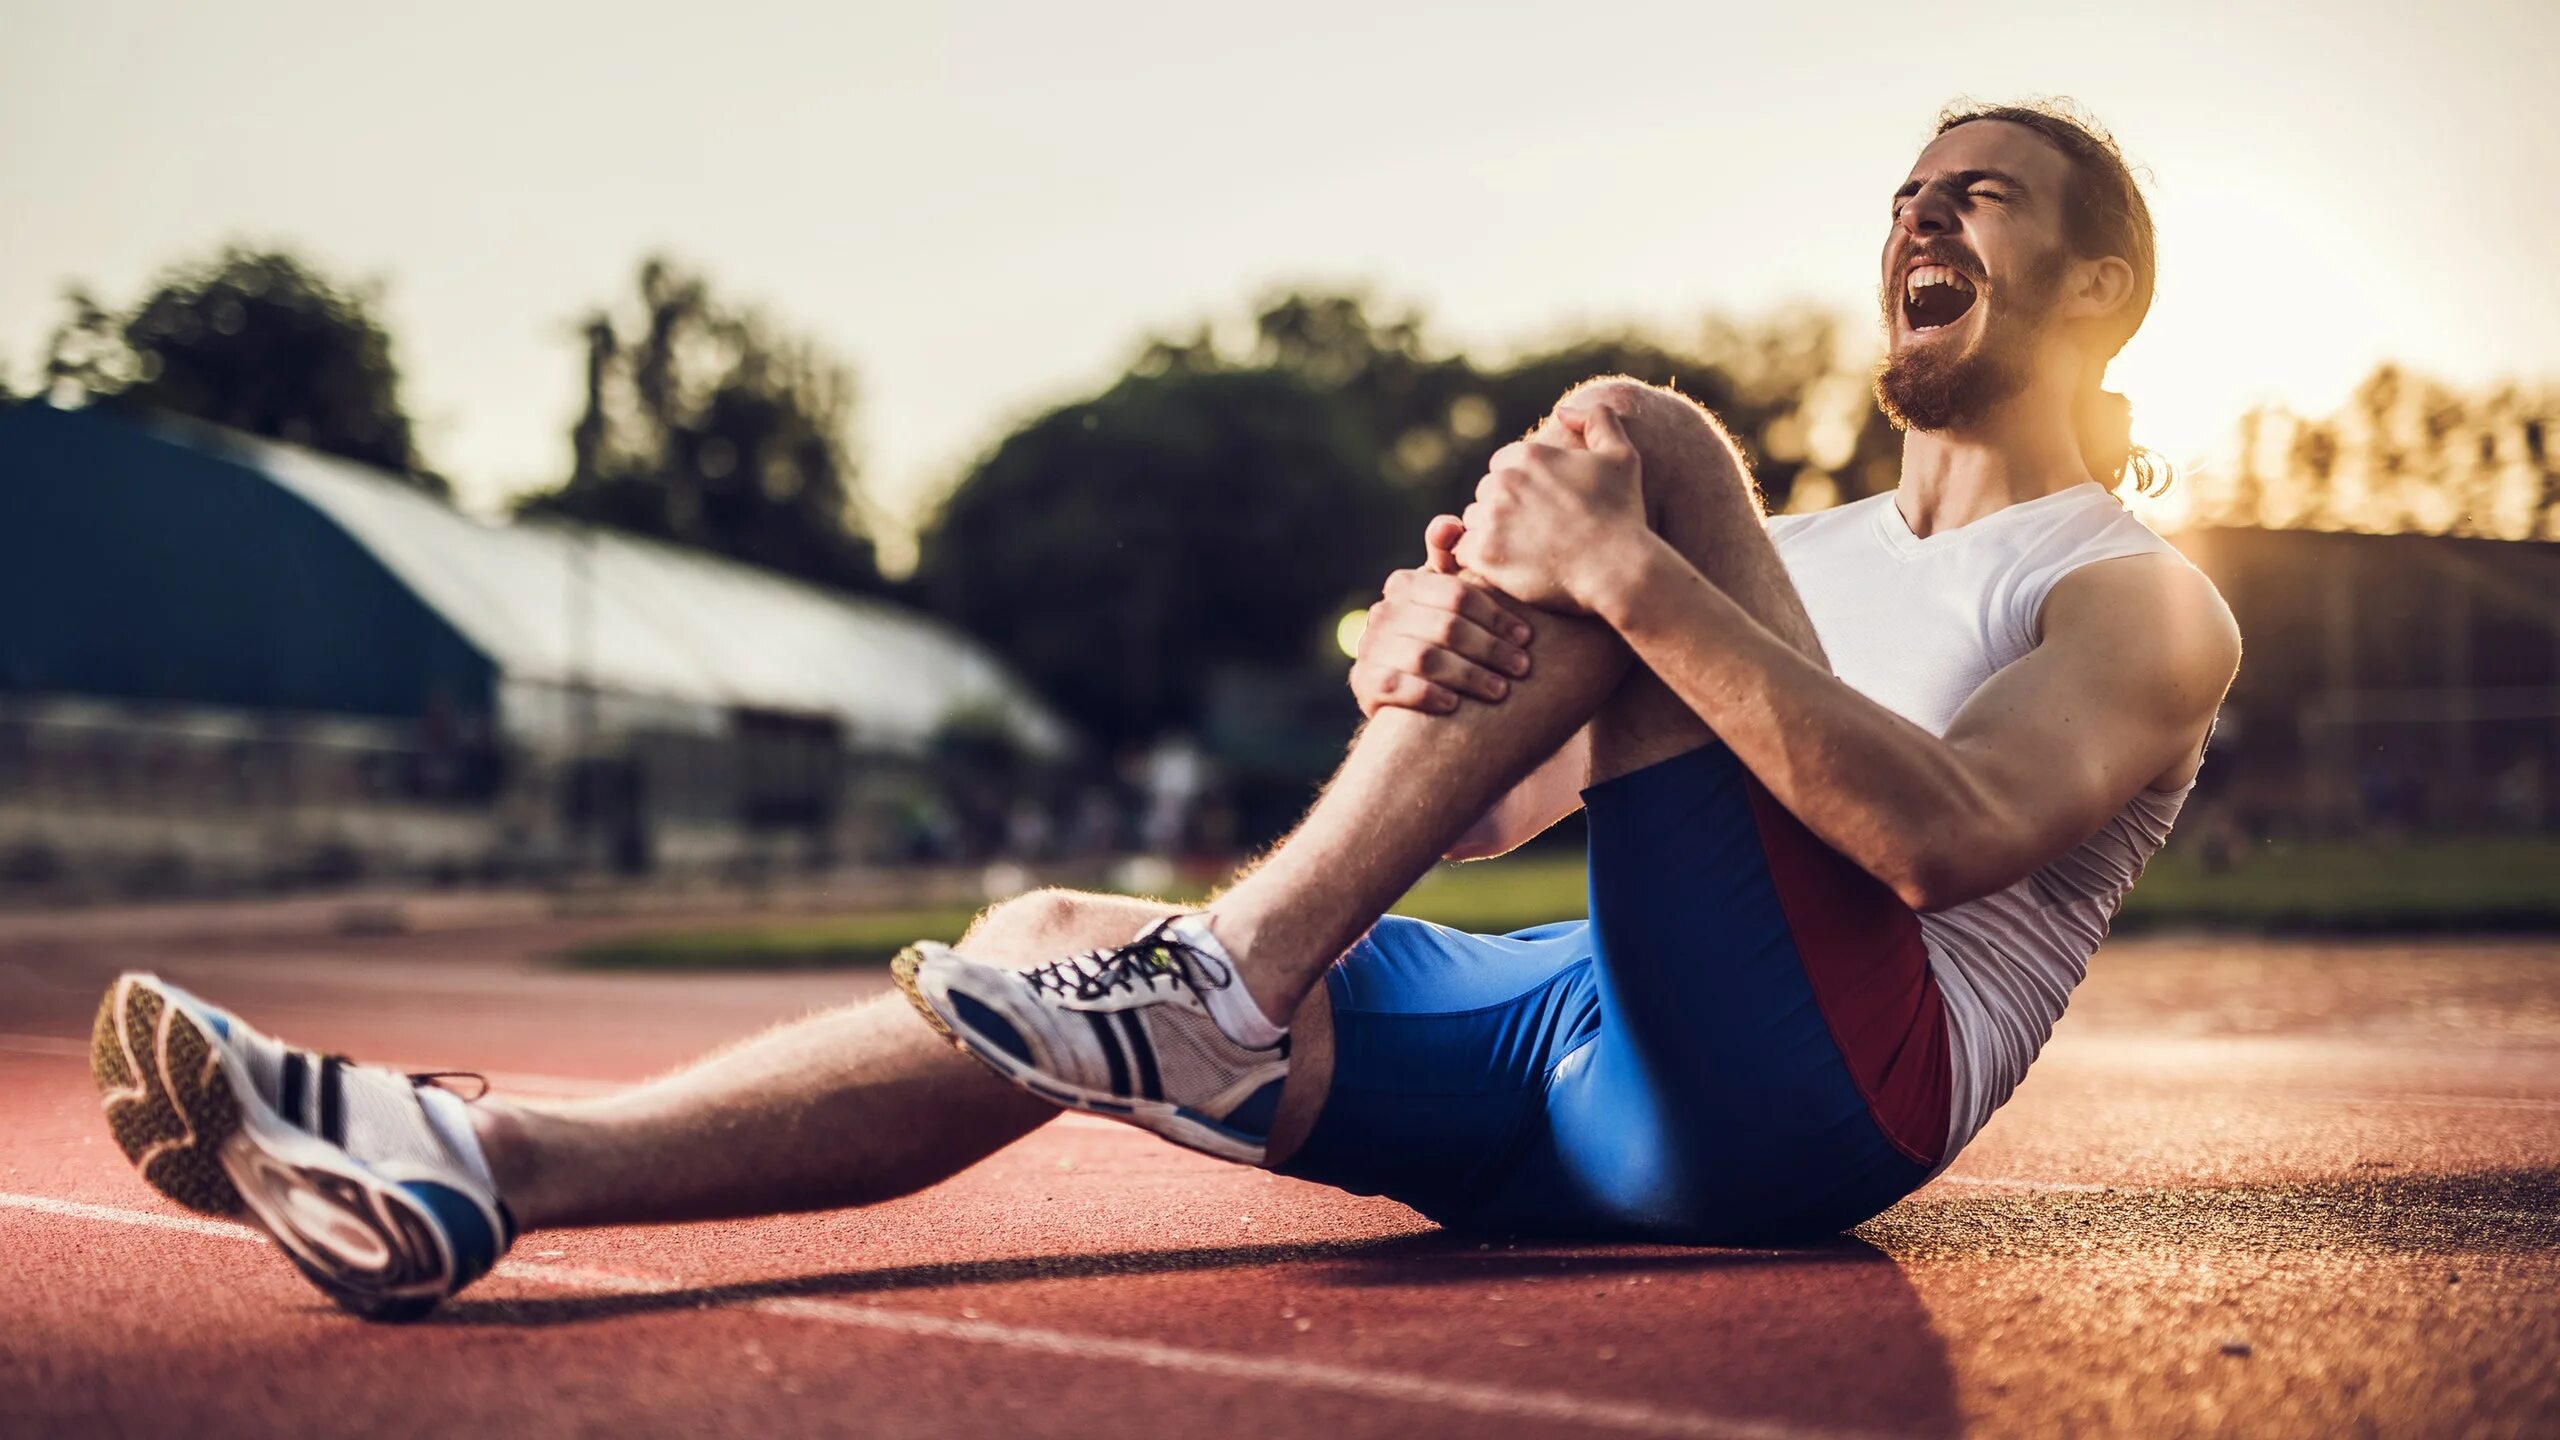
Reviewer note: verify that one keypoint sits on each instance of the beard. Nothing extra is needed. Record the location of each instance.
(1924, 387)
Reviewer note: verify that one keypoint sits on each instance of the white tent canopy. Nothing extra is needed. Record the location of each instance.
(674, 635)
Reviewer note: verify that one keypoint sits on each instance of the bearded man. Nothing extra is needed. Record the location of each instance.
(1865, 789)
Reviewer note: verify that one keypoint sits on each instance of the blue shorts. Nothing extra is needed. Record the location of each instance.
(1743, 1044)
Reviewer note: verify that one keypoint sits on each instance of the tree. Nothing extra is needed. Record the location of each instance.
(256, 340)
(709, 427)
(1119, 551)
(1226, 501)
(1790, 388)
(2404, 453)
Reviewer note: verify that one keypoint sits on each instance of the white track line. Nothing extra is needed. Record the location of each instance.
(1364, 1383)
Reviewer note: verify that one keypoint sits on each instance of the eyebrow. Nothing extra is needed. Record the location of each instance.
(1966, 179)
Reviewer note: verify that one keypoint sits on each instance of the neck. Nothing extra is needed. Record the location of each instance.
(2024, 448)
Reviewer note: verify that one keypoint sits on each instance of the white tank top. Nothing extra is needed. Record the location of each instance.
(1917, 625)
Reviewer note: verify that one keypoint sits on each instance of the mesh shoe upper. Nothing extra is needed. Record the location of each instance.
(1128, 1032)
(377, 1116)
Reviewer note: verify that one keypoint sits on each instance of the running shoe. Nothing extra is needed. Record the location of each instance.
(1144, 1033)
(342, 1164)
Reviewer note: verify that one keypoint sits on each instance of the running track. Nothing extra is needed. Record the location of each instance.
(2252, 1189)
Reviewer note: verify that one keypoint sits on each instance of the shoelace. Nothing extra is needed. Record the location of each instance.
(1149, 960)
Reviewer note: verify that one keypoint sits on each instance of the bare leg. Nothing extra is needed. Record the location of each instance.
(1413, 783)
(832, 1111)
(847, 1107)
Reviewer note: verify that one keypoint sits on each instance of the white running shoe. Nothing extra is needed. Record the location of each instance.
(341, 1163)
(1133, 1033)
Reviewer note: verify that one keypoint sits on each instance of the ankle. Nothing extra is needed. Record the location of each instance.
(505, 1132)
(1271, 990)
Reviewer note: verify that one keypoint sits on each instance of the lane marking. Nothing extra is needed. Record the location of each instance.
(1364, 1383)
(116, 1215)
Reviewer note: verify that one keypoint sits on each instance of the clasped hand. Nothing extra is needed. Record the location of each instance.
(1552, 519)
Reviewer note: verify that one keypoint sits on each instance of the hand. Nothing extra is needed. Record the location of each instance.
(1433, 637)
(1553, 523)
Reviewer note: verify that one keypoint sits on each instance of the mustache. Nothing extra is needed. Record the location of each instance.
(1943, 252)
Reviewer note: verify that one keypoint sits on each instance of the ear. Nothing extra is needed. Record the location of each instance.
(2098, 287)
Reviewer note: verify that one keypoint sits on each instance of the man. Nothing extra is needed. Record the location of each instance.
(1864, 788)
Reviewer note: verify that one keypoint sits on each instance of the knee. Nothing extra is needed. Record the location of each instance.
(1032, 918)
(1679, 439)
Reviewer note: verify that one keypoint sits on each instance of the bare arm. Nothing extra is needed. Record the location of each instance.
(2120, 693)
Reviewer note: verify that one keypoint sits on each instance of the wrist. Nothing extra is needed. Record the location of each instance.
(1618, 596)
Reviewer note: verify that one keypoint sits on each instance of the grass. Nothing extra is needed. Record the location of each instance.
(2505, 883)
(1492, 897)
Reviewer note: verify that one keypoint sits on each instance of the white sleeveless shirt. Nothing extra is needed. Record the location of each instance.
(1917, 625)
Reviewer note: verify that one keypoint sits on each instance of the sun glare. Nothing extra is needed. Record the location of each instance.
(2245, 317)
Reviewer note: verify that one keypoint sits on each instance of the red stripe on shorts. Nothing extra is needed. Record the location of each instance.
(1861, 949)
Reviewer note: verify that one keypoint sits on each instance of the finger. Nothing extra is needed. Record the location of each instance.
(1440, 543)
(1447, 630)
(1411, 692)
(1600, 430)
(1474, 602)
(1443, 667)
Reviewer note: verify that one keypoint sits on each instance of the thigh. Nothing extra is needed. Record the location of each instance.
(1772, 1053)
(1443, 1043)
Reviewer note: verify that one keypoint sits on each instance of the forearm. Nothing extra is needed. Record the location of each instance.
(1896, 799)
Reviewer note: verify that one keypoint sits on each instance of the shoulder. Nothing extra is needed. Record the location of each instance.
(2152, 608)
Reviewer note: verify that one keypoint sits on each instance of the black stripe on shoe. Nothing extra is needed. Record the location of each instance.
(289, 1085)
(1110, 1052)
(1150, 1085)
(333, 1101)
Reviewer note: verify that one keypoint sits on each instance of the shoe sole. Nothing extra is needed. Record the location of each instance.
(186, 1116)
(1183, 1127)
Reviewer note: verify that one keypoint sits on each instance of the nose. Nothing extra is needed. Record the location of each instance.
(1928, 213)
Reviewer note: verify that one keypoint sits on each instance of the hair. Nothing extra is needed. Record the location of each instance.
(2104, 214)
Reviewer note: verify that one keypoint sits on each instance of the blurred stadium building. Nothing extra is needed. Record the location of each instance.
(228, 663)
(2391, 683)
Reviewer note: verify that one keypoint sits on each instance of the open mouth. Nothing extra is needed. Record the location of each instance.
(1935, 296)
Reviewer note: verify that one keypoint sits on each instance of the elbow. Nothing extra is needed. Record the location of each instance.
(1935, 877)
(1965, 853)
(1923, 886)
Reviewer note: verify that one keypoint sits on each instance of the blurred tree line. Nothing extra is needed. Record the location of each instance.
(2405, 454)
(254, 340)
(1218, 506)
(707, 425)
(1228, 498)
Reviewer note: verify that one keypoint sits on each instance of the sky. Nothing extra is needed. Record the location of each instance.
(986, 207)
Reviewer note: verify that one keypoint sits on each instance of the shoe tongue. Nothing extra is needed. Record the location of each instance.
(1228, 1004)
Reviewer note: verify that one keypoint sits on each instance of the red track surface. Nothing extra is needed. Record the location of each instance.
(2250, 1189)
